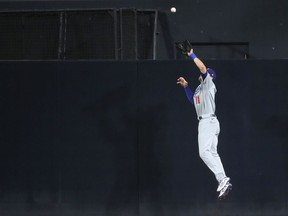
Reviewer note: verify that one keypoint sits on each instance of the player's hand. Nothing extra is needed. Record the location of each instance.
(190, 52)
(181, 81)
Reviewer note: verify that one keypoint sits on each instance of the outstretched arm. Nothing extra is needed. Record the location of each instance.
(197, 61)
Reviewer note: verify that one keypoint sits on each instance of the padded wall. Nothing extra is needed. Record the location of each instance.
(120, 138)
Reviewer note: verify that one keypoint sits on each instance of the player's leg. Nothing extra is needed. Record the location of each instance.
(221, 177)
(221, 174)
(206, 133)
(208, 140)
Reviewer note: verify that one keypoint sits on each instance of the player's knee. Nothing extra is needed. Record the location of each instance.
(203, 154)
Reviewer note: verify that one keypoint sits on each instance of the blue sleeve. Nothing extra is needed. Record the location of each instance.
(204, 75)
(189, 94)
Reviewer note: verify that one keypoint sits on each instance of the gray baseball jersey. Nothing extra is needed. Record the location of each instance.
(204, 97)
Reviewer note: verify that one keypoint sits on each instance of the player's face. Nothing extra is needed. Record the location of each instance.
(200, 78)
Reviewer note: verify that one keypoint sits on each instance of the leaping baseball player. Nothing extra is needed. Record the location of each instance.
(208, 129)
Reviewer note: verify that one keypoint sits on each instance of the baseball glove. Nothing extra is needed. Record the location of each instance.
(184, 47)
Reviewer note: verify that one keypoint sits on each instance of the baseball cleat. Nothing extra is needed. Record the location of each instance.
(222, 184)
(225, 191)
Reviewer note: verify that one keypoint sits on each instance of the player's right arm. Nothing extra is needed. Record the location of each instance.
(197, 61)
(181, 81)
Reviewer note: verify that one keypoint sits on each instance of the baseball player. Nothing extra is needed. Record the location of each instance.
(208, 130)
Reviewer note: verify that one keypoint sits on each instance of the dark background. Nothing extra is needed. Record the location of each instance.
(120, 138)
(111, 138)
(260, 23)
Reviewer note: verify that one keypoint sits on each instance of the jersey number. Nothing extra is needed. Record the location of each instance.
(197, 98)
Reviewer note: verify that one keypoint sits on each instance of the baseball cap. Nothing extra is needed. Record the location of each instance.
(212, 73)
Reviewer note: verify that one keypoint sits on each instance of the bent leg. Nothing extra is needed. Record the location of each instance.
(207, 140)
(217, 159)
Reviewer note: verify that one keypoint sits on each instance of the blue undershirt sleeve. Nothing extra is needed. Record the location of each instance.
(189, 94)
(204, 75)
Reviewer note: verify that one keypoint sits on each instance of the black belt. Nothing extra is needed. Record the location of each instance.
(206, 116)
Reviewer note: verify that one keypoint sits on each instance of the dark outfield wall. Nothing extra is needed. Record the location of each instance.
(120, 138)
